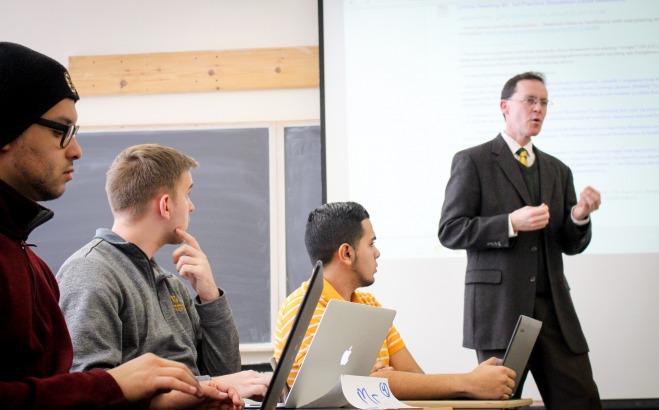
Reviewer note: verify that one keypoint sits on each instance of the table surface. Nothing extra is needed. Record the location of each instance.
(471, 404)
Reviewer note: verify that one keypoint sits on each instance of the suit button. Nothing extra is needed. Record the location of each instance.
(532, 279)
(534, 249)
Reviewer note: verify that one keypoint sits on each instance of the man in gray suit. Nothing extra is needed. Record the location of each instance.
(514, 209)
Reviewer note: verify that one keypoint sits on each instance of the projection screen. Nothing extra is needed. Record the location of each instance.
(407, 84)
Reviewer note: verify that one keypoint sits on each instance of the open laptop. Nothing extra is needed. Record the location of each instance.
(516, 357)
(295, 337)
(348, 340)
(520, 346)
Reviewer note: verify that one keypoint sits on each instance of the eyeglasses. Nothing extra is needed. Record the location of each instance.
(68, 131)
(532, 101)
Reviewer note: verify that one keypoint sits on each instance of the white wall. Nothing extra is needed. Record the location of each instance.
(82, 27)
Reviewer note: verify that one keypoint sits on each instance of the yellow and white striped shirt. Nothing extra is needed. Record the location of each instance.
(289, 309)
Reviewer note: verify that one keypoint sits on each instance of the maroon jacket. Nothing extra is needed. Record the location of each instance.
(35, 346)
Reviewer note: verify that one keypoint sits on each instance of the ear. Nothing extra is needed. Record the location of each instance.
(503, 104)
(164, 205)
(345, 254)
(11, 143)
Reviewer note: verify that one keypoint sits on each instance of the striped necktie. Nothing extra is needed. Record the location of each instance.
(522, 156)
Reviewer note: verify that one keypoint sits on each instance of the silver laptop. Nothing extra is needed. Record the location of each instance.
(295, 337)
(348, 340)
(520, 346)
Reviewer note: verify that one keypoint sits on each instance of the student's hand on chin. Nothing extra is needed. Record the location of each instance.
(180, 238)
(193, 265)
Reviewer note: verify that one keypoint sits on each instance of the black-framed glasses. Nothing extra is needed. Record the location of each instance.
(532, 101)
(68, 131)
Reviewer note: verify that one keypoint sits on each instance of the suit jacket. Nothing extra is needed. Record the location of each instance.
(485, 186)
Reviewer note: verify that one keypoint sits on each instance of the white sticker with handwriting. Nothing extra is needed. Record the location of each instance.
(364, 392)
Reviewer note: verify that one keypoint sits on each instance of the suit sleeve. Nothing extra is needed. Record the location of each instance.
(574, 238)
(463, 225)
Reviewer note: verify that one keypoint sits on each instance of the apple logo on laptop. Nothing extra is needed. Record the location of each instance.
(346, 356)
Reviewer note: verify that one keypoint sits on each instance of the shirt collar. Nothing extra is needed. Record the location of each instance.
(19, 215)
(330, 293)
(132, 251)
(514, 146)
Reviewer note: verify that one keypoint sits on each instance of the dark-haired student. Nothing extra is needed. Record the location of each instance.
(341, 235)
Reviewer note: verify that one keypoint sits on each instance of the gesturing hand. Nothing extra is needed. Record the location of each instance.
(589, 201)
(192, 264)
(530, 218)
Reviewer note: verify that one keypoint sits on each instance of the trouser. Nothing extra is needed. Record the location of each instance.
(564, 379)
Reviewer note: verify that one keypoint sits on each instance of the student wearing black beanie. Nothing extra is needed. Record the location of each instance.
(37, 151)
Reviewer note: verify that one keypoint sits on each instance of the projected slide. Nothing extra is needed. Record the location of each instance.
(423, 80)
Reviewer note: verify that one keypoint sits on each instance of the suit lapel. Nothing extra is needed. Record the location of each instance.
(508, 164)
(547, 176)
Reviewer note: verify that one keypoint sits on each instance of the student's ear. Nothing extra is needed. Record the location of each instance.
(164, 205)
(8, 145)
(345, 254)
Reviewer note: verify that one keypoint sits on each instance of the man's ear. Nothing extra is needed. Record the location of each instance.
(503, 104)
(345, 254)
(164, 205)
(10, 144)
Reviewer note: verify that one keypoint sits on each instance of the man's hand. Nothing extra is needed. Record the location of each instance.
(379, 366)
(149, 375)
(530, 218)
(248, 383)
(491, 381)
(192, 264)
(589, 201)
(215, 396)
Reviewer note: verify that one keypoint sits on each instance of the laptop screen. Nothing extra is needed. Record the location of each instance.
(520, 346)
(299, 329)
(347, 341)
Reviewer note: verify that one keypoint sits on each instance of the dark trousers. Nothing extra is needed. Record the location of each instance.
(564, 379)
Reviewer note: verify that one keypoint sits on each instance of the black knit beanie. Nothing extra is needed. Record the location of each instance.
(30, 84)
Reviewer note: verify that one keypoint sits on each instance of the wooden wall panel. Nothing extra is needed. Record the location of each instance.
(196, 71)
